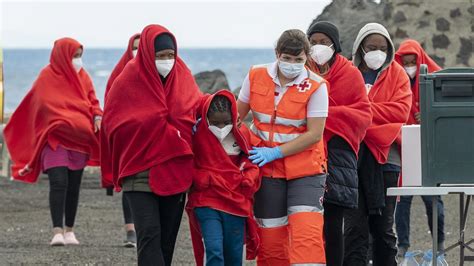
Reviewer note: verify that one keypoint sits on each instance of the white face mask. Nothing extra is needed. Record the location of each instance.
(221, 133)
(375, 59)
(321, 53)
(77, 63)
(411, 71)
(134, 52)
(164, 66)
(290, 70)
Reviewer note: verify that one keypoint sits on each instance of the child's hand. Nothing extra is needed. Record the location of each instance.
(241, 168)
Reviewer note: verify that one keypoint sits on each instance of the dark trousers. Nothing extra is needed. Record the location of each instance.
(64, 187)
(333, 234)
(402, 218)
(157, 220)
(358, 224)
(223, 236)
(127, 212)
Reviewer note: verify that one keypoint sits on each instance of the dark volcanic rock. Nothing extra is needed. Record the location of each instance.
(440, 41)
(455, 13)
(442, 24)
(212, 81)
(465, 52)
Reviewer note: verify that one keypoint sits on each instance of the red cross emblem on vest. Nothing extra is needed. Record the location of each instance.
(304, 86)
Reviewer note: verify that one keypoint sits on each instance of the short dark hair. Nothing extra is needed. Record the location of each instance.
(293, 42)
(220, 103)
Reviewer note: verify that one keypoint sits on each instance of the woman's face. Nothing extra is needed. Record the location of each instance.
(166, 54)
(301, 58)
(135, 44)
(320, 38)
(409, 60)
(375, 42)
(78, 53)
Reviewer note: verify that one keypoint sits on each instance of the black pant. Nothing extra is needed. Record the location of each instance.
(64, 186)
(157, 220)
(333, 217)
(358, 224)
(127, 212)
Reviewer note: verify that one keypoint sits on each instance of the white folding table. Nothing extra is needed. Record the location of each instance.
(465, 196)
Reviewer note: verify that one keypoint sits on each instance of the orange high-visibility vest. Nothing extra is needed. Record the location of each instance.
(275, 125)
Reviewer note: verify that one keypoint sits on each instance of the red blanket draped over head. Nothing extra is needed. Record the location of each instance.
(147, 124)
(127, 56)
(219, 183)
(349, 108)
(413, 47)
(59, 110)
(390, 101)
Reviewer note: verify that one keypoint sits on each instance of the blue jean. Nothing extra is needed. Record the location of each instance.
(223, 236)
(402, 218)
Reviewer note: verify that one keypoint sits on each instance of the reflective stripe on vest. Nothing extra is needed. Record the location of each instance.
(277, 137)
(264, 118)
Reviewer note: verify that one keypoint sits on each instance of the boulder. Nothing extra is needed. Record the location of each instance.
(443, 27)
(212, 81)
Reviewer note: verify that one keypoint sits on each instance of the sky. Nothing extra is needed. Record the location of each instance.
(196, 24)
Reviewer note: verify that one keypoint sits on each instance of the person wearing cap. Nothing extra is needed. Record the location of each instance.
(348, 118)
(388, 90)
(146, 141)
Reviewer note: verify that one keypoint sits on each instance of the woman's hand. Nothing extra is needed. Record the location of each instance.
(418, 117)
(264, 155)
(97, 123)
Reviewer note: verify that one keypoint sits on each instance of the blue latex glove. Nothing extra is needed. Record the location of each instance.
(264, 155)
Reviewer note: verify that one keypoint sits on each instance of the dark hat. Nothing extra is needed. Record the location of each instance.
(164, 41)
(327, 28)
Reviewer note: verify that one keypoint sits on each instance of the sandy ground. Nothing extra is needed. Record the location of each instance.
(26, 230)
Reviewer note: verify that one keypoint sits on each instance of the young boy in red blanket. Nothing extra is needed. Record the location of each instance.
(220, 205)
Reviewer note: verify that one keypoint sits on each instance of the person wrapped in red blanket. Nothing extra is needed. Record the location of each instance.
(410, 55)
(221, 199)
(388, 90)
(146, 141)
(55, 130)
(348, 118)
(132, 49)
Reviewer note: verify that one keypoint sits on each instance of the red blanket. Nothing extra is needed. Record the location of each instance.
(127, 56)
(147, 124)
(390, 99)
(219, 183)
(349, 108)
(59, 110)
(413, 47)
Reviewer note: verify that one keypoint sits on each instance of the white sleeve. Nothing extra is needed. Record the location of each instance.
(244, 94)
(318, 103)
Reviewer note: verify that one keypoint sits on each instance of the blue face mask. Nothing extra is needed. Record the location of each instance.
(290, 70)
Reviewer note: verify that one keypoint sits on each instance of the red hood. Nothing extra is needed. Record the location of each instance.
(243, 143)
(127, 56)
(413, 47)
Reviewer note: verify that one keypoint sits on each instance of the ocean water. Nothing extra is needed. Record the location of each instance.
(21, 67)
